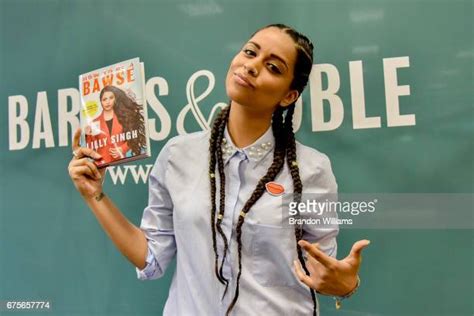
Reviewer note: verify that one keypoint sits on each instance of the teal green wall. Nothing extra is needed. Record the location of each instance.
(51, 246)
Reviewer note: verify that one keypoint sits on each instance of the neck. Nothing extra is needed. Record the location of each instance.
(108, 115)
(246, 126)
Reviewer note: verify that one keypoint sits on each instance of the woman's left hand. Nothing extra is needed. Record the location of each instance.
(116, 152)
(328, 275)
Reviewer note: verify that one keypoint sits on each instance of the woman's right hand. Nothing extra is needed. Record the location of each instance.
(88, 130)
(84, 173)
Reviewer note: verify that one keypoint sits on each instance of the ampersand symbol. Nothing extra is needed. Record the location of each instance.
(192, 105)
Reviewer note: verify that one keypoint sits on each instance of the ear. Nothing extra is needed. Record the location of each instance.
(290, 97)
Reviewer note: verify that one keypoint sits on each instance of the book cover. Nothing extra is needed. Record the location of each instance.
(113, 112)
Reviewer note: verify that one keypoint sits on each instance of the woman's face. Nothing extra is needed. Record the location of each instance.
(260, 74)
(108, 100)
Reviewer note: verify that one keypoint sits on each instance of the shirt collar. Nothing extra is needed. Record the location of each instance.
(254, 152)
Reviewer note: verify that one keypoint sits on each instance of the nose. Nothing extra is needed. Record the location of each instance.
(250, 68)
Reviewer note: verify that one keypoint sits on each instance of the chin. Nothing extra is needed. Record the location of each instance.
(237, 94)
(238, 97)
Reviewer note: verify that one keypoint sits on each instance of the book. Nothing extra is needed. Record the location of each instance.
(113, 112)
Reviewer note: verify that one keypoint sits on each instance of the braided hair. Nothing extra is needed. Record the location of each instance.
(285, 148)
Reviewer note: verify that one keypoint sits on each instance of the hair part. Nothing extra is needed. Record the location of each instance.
(304, 55)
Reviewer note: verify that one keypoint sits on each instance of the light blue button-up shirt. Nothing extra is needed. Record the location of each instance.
(177, 222)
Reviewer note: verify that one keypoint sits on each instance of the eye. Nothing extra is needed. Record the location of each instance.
(274, 68)
(249, 52)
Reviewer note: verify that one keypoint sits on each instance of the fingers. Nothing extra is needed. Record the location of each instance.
(358, 247)
(306, 279)
(94, 170)
(102, 171)
(84, 170)
(114, 153)
(86, 152)
(83, 166)
(87, 130)
(312, 262)
(81, 152)
(76, 138)
(317, 254)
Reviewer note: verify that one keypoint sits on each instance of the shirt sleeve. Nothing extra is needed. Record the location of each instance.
(157, 220)
(152, 269)
(322, 187)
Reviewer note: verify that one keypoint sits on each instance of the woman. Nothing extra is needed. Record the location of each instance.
(120, 114)
(213, 201)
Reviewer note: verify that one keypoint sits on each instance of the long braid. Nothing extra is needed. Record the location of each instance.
(214, 146)
(220, 216)
(275, 168)
(297, 188)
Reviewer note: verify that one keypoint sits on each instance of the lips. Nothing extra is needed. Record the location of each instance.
(242, 80)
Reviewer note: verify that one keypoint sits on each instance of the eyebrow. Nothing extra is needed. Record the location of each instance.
(271, 55)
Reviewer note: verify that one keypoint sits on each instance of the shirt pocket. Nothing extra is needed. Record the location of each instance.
(273, 250)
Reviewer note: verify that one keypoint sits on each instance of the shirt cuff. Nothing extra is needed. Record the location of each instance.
(150, 271)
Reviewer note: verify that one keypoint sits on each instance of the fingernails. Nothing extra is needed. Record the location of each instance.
(302, 242)
(97, 156)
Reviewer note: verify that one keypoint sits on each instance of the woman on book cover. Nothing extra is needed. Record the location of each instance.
(120, 114)
(215, 199)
